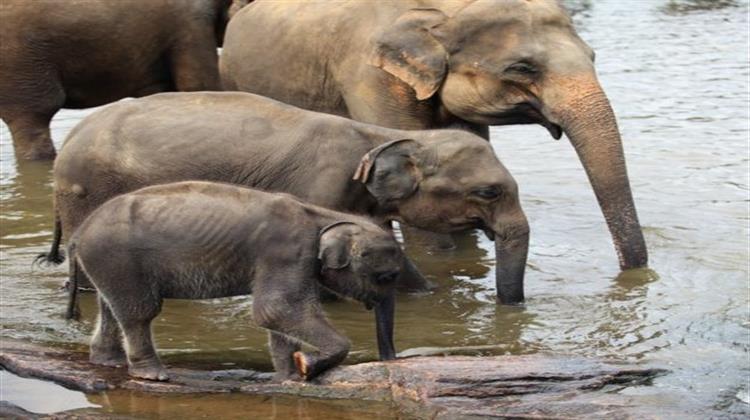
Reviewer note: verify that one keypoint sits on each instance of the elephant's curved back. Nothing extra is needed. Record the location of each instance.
(283, 50)
(169, 137)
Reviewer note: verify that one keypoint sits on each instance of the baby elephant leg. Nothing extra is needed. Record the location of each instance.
(143, 362)
(331, 347)
(106, 345)
(135, 315)
(282, 349)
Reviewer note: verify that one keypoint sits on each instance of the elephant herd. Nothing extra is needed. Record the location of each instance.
(350, 115)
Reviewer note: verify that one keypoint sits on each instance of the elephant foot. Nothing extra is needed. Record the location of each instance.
(110, 358)
(302, 364)
(153, 371)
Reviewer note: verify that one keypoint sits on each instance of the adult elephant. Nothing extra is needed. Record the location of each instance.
(416, 64)
(80, 54)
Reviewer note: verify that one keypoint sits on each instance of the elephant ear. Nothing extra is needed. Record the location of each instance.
(334, 250)
(408, 51)
(392, 171)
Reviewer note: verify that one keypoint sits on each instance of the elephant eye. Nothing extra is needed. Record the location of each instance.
(487, 193)
(522, 67)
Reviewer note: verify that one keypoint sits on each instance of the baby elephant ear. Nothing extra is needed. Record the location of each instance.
(334, 249)
(409, 52)
(392, 171)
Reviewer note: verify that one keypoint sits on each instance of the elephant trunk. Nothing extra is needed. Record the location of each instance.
(384, 313)
(589, 122)
(511, 251)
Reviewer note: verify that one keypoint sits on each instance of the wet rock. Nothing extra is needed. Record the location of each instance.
(530, 386)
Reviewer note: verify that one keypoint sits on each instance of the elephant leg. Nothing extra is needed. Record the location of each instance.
(305, 323)
(143, 362)
(135, 313)
(331, 347)
(106, 345)
(194, 65)
(31, 135)
(282, 350)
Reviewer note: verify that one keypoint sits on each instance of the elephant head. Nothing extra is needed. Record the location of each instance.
(363, 262)
(453, 182)
(496, 62)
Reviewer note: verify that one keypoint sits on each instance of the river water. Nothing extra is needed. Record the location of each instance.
(677, 75)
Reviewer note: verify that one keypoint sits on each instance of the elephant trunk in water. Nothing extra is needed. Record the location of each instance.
(384, 312)
(511, 251)
(590, 124)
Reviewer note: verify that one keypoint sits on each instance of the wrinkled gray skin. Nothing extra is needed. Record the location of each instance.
(418, 64)
(438, 180)
(201, 240)
(79, 54)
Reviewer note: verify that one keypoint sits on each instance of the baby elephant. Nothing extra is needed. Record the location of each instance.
(202, 240)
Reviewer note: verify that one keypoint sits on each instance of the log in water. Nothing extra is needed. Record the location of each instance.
(425, 387)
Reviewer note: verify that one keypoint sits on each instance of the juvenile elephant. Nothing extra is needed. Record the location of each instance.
(438, 180)
(202, 240)
(79, 54)
(419, 64)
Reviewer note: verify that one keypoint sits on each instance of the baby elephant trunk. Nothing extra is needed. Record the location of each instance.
(511, 232)
(511, 256)
(384, 312)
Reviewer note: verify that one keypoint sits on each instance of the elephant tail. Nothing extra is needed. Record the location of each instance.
(55, 256)
(73, 312)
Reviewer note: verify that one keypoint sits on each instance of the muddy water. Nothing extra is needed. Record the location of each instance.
(677, 74)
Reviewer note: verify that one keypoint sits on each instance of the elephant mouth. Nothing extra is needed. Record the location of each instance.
(526, 113)
(477, 223)
(536, 117)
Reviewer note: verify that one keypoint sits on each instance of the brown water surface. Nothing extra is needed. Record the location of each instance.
(677, 74)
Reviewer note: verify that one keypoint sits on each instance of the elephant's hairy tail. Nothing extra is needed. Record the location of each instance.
(73, 312)
(55, 256)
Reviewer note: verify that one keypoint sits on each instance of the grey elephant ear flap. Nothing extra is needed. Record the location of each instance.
(364, 169)
(393, 170)
(408, 51)
(334, 249)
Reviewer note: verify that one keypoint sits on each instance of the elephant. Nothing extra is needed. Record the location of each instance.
(421, 64)
(80, 54)
(438, 180)
(203, 240)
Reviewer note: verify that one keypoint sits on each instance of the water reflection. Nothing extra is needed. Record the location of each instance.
(465, 258)
(26, 205)
(631, 284)
(237, 406)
